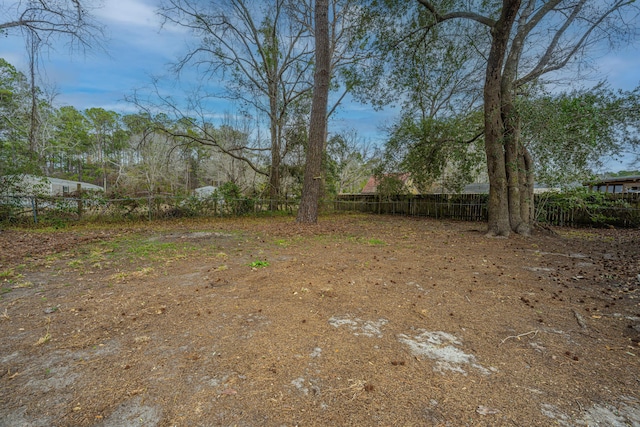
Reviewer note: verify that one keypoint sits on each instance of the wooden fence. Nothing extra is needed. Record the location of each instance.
(468, 207)
(622, 210)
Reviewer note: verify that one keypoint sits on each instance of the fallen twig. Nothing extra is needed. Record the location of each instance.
(519, 336)
(580, 319)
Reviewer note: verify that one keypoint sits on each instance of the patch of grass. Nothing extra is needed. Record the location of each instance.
(579, 234)
(151, 249)
(51, 258)
(282, 242)
(97, 254)
(375, 242)
(372, 241)
(7, 274)
(124, 275)
(11, 278)
(76, 263)
(143, 248)
(24, 284)
(119, 277)
(142, 272)
(259, 264)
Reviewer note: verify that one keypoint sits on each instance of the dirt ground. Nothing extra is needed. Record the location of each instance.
(358, 321)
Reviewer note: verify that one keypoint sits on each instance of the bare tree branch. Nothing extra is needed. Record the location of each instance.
(47, 19)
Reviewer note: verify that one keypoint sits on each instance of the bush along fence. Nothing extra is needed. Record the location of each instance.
(59, 209)
(575, 208)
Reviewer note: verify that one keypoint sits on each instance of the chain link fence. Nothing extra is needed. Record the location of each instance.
(92, 206)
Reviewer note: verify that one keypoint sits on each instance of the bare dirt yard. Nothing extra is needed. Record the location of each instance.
(358, 321)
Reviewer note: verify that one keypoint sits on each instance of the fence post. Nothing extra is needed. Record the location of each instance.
(79, 192)
(34, 207)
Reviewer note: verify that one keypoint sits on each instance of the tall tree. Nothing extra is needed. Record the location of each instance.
(41, 23)
(105, 125)
(528, 39)
(436, 75)
(71, 142)
(14, 120)
(262, 53)
(350, 161)
(571, 134)
(308, 211)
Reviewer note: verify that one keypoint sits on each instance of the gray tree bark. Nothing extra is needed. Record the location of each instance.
(308, 211)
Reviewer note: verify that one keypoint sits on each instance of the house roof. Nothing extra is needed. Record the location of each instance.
(615, 180)
(371, 187)
(32, 182)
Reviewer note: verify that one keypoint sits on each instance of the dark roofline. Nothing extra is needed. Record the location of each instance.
(632, 178)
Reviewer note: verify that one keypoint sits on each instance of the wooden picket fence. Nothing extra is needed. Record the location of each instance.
(623, 212)
(468, 207)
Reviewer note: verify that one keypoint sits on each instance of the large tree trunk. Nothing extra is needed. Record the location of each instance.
(499, 223)
(515, 167)
(274, 182)
(527, 207)
(274, 169)
(308, 212)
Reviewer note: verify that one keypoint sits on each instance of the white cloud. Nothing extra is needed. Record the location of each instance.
(16, 59)
(134, 16)
(129, 13)
(620, 68)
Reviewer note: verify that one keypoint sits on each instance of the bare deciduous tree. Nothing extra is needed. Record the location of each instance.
(47, 20)
(261, 54)
(41, 23)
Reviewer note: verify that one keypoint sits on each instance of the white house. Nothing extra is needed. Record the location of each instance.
(30, 185)
(204, 192)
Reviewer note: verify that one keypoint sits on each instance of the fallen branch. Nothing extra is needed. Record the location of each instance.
(519, 336)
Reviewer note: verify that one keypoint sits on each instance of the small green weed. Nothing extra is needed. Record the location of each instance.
(259, 264)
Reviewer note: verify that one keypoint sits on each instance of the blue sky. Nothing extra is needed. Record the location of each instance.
(138, 49)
